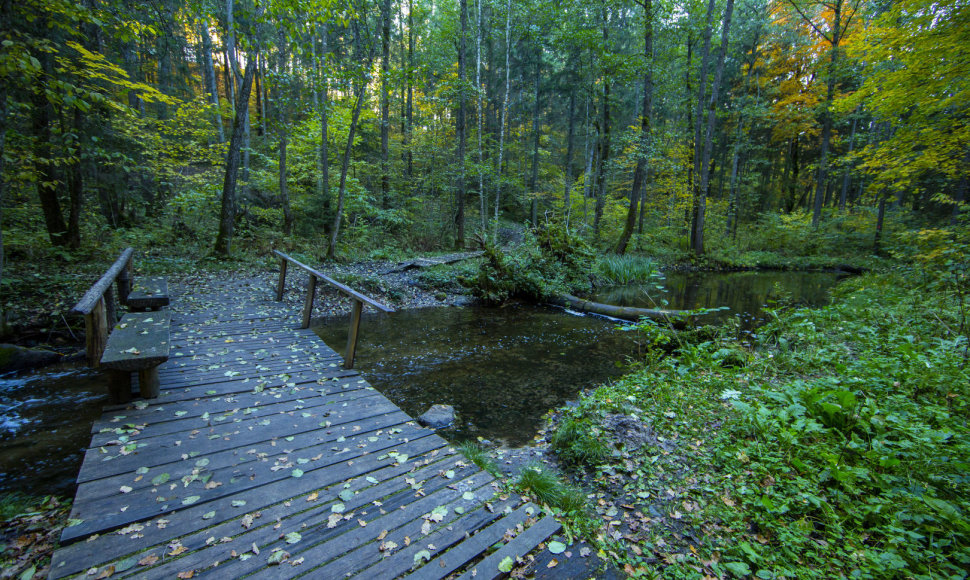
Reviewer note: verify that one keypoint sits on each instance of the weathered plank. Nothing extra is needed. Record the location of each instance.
(148, 294)
(258, 433)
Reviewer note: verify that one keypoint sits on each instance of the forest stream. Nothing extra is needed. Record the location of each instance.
(501, 368)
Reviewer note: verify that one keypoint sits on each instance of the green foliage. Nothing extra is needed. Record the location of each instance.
(548, 489)
(837, 445)
(627, 269)
(479, 456)
(578, 442)
(549, 262)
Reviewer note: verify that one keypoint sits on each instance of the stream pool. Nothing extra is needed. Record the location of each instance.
(504, 368)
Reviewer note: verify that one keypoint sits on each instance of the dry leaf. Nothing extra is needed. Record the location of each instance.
(148, 560)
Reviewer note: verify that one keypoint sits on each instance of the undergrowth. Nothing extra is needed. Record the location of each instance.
(835, 445)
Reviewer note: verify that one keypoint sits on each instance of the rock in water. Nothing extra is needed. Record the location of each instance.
(16, 358)
(438, 416)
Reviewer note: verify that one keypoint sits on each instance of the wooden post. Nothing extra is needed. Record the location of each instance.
(119, 386)
(96, 332)
(355, 309)
(111, 311)
(148, 383)
(311, 288)
(282, 284)
(124, 283)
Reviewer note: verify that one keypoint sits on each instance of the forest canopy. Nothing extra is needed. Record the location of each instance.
(420, 123)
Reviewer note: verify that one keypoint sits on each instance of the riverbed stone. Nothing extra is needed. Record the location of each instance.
(438, 416)
(17, 358)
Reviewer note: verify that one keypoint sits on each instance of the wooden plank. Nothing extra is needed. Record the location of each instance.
(163, 450)
(105, 515)
(148, 294)
(93, 295)
(446, 562)
(521, 545)
(138, 342)
(271, 502)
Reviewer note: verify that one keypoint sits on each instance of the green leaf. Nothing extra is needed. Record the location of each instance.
(738, 568)
(292, 537)
(160, 479)
(338, 508)
(125, 564)
(556, 547)
(238, 502)
(141, 470)
(191, 500)
(28, 573)
(209, 515)
(506, 564)
(422, 556)
(297, 473)
(346, 495)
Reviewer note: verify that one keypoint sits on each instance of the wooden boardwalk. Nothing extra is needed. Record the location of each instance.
(263, 457)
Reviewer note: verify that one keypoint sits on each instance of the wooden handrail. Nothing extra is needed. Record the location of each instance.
(357, 305)
(98, 305)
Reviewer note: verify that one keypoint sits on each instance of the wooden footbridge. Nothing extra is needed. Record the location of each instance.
(263, 456)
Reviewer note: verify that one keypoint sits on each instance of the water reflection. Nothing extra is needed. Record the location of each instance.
(501, 368)
(744, 293)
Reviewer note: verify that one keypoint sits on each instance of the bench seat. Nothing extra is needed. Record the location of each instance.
(139, 343)
(148, 294)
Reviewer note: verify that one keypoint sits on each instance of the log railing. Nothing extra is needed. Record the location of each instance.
(358, 301)
(99, 308)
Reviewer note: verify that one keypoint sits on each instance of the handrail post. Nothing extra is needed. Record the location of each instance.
(355, 309)
(281, 286)
(311, 289)
(124, 283)
(96, 333)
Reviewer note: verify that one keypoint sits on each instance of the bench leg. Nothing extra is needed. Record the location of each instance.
(119, 386)
(148, 385)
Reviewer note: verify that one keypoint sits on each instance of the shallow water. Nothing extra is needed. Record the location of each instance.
(501, 368)
(504, 368)
(744, 293)
(45, 425)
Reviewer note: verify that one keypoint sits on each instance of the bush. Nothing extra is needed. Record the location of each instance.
(549, 262)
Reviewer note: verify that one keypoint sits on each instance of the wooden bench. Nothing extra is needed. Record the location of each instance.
(148, 294)
(139, 343)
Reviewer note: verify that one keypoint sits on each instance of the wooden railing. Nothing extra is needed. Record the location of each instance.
(358, 301)
(99, 308)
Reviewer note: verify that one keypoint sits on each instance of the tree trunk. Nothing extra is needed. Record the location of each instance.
(845, 176)
(732, 217)
(227, 216)
(75, 185)
(640, 172)
(324, 120)
(568, 164)
(345, 165)
(210, 76)
(409, 116)
(47, 180)
(284, 194)
(481, 117)
(697, 217)
(827, 115)
(697, 233)
(385, 101)
(505, 110)
(880, 219)
(460, 129)
(534, 177)
(604, 158)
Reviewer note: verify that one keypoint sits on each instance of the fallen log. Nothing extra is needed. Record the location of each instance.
(679, 318)
(429, 262)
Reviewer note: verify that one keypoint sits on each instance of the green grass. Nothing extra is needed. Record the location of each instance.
(626, 269)
(576, 443)
(479, 456)
(548, 489)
